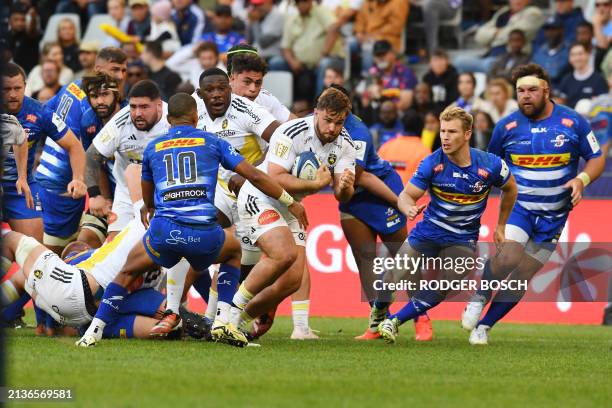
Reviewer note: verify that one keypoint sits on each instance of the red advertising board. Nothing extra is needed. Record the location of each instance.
(335, 282)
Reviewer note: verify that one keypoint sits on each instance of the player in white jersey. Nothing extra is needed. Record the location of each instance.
(124, 138)
(246, 71)
(276, 232)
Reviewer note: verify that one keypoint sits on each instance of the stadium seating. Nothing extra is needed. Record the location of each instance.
(280, 84)
(94, 32)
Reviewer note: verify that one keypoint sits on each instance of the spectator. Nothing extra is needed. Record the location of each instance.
(553, 56)
(467, 99)
(189, 21)
(223, 35)
(301, 108)
(499, 96)
(390, 78)
(53, 52)
(306, 47)
(136, 72)
(162, 25)
(602, 23)
(433, 12)
(378, 20)
(140, 23)
(442, 78)
(406, 151)
(116, 9)
(50, 72)
(131, 51)
(569, 16)
(166, 79)
(189, 63)
(387, 125)
(67, 39)
(23, 36)
(494, 34)
(585, 35)
(265, 28)
(345, 13)
(515, 56)
(584, 81)
(431, 131)
(483, 129)
(87, 58)
(84, 8)
(422, 101)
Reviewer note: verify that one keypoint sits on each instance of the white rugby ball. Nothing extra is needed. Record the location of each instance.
(306, 165)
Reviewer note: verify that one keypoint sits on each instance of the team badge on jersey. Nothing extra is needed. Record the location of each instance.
(38, 274)
(559, 141)
(224, 124)
(331, 159)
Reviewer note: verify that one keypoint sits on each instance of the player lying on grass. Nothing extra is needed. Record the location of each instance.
(459, 179)
(543, 143)
(278, 234)
(179, 176)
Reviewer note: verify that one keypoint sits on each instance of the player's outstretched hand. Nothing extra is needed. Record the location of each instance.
(24, 188)
(299, 212)
(324, 176)
(414, 211)
(347, 179)
(577, 187)
(100, 206)
(146, 214)
(76, 189)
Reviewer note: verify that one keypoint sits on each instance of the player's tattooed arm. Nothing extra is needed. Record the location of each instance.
(508, 198)
(99, 205)
(377, 187)
(407, 202)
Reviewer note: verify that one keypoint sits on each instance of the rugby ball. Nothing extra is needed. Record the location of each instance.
(306, 165)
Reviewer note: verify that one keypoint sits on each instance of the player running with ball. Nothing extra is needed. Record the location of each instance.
(542, 143)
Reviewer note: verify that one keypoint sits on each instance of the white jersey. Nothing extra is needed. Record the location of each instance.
(120, 139)
(273, 105)
(299, 135)
(105, 262)
(242, 126)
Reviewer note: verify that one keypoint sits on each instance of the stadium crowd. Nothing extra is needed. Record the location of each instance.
(402, 75)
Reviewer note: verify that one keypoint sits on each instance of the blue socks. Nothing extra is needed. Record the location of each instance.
(113, 299)
(15, 309)
(487, 275)
(501, 305)
(202, 285)
(227, 284)
(418, 305)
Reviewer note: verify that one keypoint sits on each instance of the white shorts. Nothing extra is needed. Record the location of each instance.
(58, 290)
(123, 209)
(260, 213)
(541, 252)
(228, 205)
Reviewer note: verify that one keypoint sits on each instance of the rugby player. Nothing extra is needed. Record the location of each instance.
(124, 137)
(179, 173)
(543, 143)
(459, 179)
(276, 232)
(14, 145)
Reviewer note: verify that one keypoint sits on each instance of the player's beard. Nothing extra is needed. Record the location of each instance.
(534, 110)
(106, 113)
(144, 125)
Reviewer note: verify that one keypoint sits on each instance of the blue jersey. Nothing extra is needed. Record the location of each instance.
(223, 41)
(458, 194)
(543, 156)
(37, 121)
(54, 172)
(183, 165)
(367, 157)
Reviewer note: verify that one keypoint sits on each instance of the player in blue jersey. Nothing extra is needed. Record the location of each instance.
(62, 215)
(459, 179)
(179, 176)
(15, 146)
(542, 143)
(38, 122)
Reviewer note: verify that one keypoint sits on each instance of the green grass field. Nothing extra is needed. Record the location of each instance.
(536, 365)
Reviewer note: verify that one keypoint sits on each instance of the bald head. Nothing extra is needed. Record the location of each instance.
(182, 110)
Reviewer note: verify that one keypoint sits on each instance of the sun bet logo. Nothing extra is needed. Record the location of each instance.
(540, 160)
(268, 217)
(181, 142)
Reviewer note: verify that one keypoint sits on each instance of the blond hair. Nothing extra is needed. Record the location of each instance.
(464, 117)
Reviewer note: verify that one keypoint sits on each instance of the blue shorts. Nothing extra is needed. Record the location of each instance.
(14, 205)
(536, 228)
(61, 215)
(429, 239)
(375, 212)
(167, 241)
(143, 302)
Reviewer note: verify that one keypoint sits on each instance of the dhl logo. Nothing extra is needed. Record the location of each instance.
(460, 198)
(181, 142)
(76, 91)
(540, 160)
